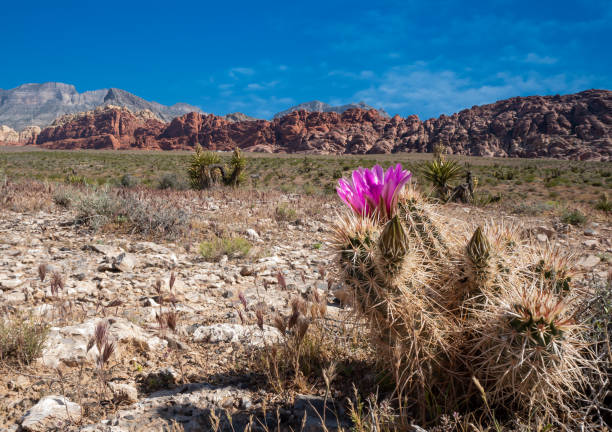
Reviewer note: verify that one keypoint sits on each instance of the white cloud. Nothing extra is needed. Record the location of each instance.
(417, 89)
(237, 71)
(538, 59)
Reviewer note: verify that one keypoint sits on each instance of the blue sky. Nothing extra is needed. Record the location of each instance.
(426, 58)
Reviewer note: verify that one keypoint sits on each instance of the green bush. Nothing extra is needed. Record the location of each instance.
(573, 217)
(21, 339)
(233, 247)
(285, 213)
(604, 204)
(63, 198)
(128, 180)
(171, 181)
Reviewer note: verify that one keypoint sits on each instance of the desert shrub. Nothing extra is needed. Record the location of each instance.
(128, 180)
(171, 181)
(63, 198)
(137, 213)
(21, 339)
(573, 217)
(233, 247)
(284, 212)
(154, 215)
(27, 195)
(97, 207)
(532, 208)
(604, 204)
(308, 189)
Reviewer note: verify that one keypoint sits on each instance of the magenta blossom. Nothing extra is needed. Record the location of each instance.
(373, 189)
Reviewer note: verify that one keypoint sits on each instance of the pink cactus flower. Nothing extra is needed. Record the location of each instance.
(373, 190)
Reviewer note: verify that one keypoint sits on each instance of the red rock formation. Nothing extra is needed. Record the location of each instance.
(577, 126)
(103, 128)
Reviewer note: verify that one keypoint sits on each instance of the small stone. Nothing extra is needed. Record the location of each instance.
(124, 262)
(252, 234)
(590, 232)
(49, 413)
(542, 238)
(246, 271)
(123, 392)
(589, 261)
(592, 244)
(11, 284)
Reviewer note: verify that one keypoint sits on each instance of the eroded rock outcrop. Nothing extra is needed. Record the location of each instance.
(105, 127)
(576, 126)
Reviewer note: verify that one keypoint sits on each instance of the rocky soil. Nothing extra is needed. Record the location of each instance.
(576, 126)
(164, 380)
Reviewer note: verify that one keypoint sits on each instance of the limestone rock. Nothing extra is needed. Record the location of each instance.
(123, 392)
(51, 412)
(124, 262)
(68, 345)
(237, 333)
(589, 261)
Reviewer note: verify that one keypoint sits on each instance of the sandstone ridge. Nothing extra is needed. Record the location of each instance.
(575, 126)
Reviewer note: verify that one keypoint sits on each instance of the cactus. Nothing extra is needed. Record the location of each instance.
(444, 305)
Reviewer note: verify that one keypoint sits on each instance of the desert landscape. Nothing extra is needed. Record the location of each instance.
(194, 289)
(306, 216)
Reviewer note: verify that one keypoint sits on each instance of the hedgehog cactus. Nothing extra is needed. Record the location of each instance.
(442, 309)
(479, 249)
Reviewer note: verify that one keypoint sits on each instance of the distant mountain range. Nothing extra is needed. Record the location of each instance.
(575, 126)
(318, 106)
(40, 104)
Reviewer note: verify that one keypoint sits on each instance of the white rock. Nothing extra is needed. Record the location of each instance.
(235, 333)
(106, 250)
(543, 238)
(124, 262)
(123, 392)
(68, 345)
(51, 412)
(252, 234)
(10, 284)
(589, 261)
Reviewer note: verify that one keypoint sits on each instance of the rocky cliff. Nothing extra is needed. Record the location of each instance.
(107, 127)
(576, 126)
(9, 136)
(41, 104)
(318, 106)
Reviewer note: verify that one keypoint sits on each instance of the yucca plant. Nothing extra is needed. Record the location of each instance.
(205, 168)
(441, 172)
(237, 165)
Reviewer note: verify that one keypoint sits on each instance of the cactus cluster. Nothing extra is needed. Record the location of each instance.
(447, 303)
